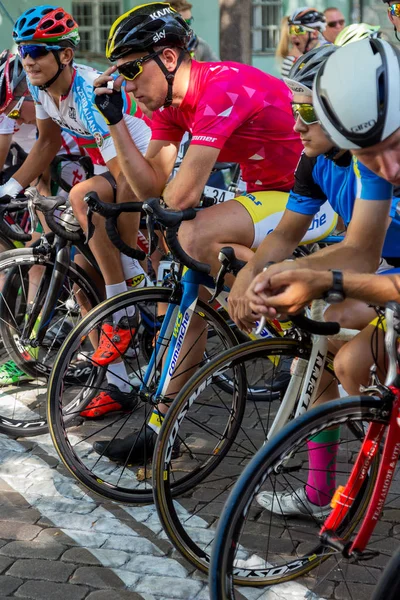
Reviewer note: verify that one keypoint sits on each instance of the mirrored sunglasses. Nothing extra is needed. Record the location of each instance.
(306, 113)
(36, 50)
(189, 21)
(297, 30)
(130, 70)
(340, 22)
(394, 9)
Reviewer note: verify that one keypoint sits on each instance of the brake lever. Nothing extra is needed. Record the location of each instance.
(90, 226)
(32, 215)
(219, 282)
(150, 231)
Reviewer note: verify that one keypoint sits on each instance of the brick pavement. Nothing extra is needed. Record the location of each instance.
(57, 541)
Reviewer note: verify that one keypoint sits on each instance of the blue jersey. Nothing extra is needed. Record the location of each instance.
(341, 182)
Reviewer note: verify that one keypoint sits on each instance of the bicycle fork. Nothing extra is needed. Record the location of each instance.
(345, 496)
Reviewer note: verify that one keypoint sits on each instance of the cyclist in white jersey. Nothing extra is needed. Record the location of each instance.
(47, 37)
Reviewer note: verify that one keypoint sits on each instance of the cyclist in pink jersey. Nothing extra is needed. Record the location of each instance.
(233, 112)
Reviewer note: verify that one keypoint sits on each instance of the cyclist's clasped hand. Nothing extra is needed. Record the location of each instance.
(238, 304)
(287, 292)
(109, 99)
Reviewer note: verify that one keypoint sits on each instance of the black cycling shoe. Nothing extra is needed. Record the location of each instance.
(136, 449)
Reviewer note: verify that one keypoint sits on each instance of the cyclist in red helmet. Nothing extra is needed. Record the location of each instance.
(47, 37)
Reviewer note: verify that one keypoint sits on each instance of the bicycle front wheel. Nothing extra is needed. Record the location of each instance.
(74, 435)
(25, 366)
(287, 546)
(218, 432)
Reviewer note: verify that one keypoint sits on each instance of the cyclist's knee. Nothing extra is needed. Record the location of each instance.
(193, 239)
(352, 366)
(97, 184)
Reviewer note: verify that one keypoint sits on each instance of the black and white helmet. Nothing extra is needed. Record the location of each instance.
(356, 93)
(310, 18)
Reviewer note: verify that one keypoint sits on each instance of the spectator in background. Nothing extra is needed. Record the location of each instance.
(335, 22)
(306, 26)
(199, 47)
(286, 53)
(394, 16)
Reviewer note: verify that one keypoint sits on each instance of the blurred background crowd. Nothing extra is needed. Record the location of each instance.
(258, 32)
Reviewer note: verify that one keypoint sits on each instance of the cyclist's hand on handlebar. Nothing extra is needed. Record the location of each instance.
(288, 291)
(238, 304)
(11, 188)
(108, 100)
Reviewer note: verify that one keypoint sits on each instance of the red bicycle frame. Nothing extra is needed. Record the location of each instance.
(344, 496)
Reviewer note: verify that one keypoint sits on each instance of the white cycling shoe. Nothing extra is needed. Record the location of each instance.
(292, 504)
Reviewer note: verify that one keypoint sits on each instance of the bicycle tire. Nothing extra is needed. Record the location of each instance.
(388, 587)
(26, 417)
(59, 429)
(173, 516)
(353, 411)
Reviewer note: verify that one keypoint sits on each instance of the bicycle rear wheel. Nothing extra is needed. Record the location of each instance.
(74, 441)
(24, 278)
(219, 432)
(287, 547)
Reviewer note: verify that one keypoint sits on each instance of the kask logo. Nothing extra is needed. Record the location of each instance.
(160, 13)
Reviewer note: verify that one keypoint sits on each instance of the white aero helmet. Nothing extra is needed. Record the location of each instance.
(357, 93)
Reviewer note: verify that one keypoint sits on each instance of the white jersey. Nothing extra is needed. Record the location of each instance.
(25, 136)
(78, 116)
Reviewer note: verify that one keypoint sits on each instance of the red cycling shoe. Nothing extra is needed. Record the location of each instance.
(110, 400)
(115, 340)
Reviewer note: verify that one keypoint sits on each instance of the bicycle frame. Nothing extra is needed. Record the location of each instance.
(176, 324)
(344, 496)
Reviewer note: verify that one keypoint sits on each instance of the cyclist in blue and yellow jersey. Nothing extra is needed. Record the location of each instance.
(325, 173)
(47, 37)
(356, 93)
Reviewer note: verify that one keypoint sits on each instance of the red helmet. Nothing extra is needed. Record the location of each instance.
(50, 24)
(11, 74)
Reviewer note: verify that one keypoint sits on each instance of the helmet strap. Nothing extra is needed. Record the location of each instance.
(308, 42)
(396, 33)
(169, 76)
(331, 154)
(60, 69)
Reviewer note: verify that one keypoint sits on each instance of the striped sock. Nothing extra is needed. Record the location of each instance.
(322, 453)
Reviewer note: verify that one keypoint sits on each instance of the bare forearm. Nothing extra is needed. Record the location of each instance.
(137, 170)
(374, 289)
(38, 161)
(340, 256)
(5, 142)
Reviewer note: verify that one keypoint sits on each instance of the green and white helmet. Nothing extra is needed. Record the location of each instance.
(356, 32)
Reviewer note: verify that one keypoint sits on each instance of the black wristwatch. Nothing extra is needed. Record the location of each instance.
(336, 293)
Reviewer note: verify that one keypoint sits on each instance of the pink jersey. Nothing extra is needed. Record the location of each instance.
(245, 113)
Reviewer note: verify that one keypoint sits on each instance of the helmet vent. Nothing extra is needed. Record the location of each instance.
(47, 11)
(34, 21)
(59, 16)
